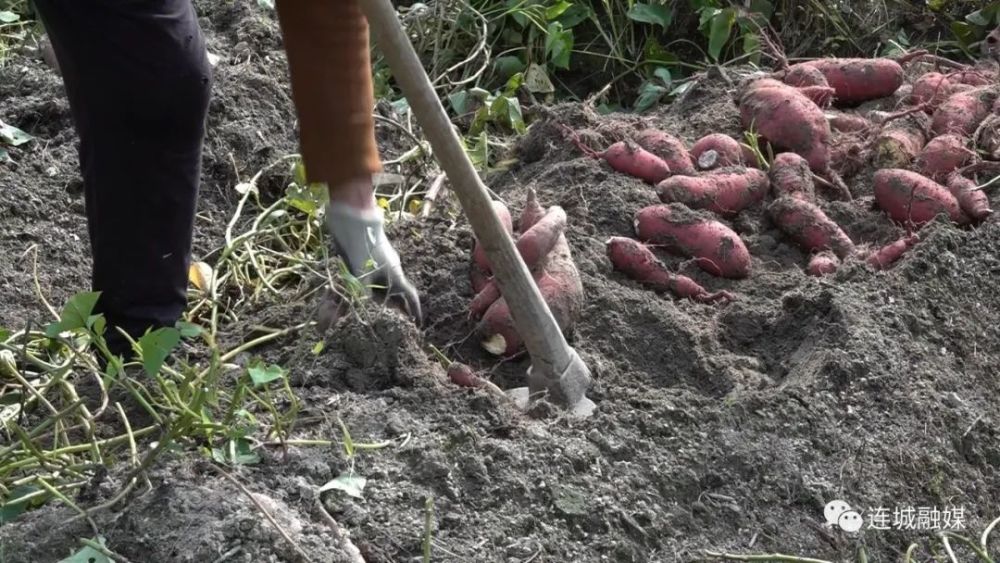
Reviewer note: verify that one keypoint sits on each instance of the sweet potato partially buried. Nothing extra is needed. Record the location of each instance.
(630, 158)
(858, 80)
(532, 212)
(562, 290)
(942, 155)
(790, 176)
(912, 199)
(901, 141)
(787, 119)
(823, 263)
(726, 192)
(668, 148)
(962, 112)
(847, 122)
(716, 248)
(808, 225)
(638, 262)
(716, 150)
(973, 202)
(885, 257)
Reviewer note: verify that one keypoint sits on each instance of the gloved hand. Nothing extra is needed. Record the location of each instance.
(359, 239)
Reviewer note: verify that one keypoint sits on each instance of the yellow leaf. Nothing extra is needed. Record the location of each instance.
(383, 203)
(200, 275)
(415, 205)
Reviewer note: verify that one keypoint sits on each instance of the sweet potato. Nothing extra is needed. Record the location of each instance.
(805, 75)
(532, 212)
(847, 122)
(669, 148)
(885, 257)
(478, 252)
(943, 155)
(806, 224)
(823, 263)
(972, 77)
(822, 96)
(462, 375)
(562, 290)
(790, 176)
(638, 262)
(716, 150)
(726, 192)
(858, 80)
(962, 112)
(912, 199)
(787, 119)
(900, 141)
(627, 157)
(933, 88)
(973, 202)
(716, 248)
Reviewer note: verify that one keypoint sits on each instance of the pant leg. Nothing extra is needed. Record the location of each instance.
(329, 61)
(138, 82)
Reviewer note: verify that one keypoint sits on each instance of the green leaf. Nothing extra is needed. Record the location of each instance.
(156, 346)
(656, 54)
(514, 117)
(663, 73)
(936, 5)
(649, 95)
(75, 315)
(8, 17)
(978, 18)
(965, 33)
(4, 334)
(89, 554)
(11, 508)
(654, 14)
(307, 198)
(188, 330)
(558, 44)
(317, 348)
(262, 375)
(762, 7)
(536, 80)
(721, 28)
(12, 135)
(751, 44)
(508, 65)
(459, 101)
(4, 155)
(480, 152)
(513, 84)
(236, 452)
(553, 12)
(266, 4)
(352, 485)
(575, 15)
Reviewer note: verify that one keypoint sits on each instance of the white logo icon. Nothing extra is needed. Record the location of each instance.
(850, 521)
(833, 510)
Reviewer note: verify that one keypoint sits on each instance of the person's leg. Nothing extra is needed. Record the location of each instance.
(138, 82)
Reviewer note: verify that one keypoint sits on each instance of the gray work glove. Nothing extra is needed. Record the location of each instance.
(359, 239)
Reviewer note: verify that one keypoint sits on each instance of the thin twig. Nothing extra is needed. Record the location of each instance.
(764, 557)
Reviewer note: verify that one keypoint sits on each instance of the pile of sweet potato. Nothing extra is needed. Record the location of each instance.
(811, 132)
(543, 246)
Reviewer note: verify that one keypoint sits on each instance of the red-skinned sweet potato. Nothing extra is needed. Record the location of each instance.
(668, 148)
(822, 264)
(716, 150)
(973, 202)
(787, 119)
(942, 155)
(847, 122)
(790, 176)
(638, 262)
(972, 77)
(933, 88)
(726, 192)
(901, 141)
(532, 212)
(562, 290)
(804, 75)
(822, 96)
(808, 225)
(962, 112)
(911, 199)
(716, 248)
(858, 80)
(885, 257)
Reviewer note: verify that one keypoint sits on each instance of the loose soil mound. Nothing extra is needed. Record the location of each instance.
(717, 428)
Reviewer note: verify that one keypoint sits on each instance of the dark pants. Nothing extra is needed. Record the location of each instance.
(138, 81)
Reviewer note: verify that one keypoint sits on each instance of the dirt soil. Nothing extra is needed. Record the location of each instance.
(717, 428)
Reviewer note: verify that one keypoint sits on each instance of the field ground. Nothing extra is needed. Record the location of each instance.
(718, 428)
